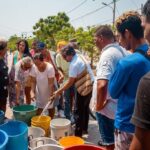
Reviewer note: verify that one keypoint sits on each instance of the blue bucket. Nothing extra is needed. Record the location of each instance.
(3, 140)
(17, 135)
(2, 116)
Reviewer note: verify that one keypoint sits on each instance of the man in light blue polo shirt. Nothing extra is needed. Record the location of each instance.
(123, 84)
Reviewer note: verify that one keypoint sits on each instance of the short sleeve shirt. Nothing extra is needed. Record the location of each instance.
(111, 54)
(141, 115)
(21, 75)
(64, 65)
(76, 67)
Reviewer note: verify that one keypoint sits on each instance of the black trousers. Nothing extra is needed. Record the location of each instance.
(81, 113)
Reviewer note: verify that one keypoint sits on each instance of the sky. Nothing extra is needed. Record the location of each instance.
(19, 16)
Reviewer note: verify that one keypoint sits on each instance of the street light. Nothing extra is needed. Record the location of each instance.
(113, 9)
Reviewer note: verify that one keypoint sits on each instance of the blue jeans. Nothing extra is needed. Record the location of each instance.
(106, 129)
(68, 96)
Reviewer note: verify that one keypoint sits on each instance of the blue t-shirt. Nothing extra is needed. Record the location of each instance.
(123, 86)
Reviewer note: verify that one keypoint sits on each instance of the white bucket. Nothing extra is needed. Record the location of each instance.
(60, 128)
(41, 141)
(35, 132)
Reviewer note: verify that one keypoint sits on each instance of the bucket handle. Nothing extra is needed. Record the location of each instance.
(30, 137)
(39, 141)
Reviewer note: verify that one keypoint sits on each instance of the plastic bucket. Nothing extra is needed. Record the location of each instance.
(42, 122)
(17, 132)
(71, 141)
(60, 128)
(84, 147)
(41, 141)
(3, 140)
(35, 132)
(49, 147)
(2, 116)
(24, 113)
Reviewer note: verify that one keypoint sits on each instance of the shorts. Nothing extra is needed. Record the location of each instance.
(122, 140)
(106, 129)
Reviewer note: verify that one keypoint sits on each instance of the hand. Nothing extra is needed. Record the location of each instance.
(17, 103)
(57, 93)
(148, 52)
(33, 98)
(61, 79)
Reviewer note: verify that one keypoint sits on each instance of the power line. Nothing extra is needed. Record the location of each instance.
(76, 7)
(89, 13)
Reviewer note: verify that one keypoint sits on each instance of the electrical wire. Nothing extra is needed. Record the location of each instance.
(89, 13)
(76, 7)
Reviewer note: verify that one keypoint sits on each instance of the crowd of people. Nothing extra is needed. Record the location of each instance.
(118, 93)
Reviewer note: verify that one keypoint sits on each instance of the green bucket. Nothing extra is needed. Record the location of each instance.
(24, 113)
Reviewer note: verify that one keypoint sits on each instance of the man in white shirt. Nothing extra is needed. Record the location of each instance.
(77, 66)
(105, 107)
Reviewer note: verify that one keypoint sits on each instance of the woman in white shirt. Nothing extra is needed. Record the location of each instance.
(42, 75)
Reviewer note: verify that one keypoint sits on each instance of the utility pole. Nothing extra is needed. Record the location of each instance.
(113, 9)
(114, 12)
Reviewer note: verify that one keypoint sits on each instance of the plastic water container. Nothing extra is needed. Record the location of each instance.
(49, 147)
(2, 116)
(17, 132)
(24, 113)
(41, 141)
(35, 132)
(42, 122)
(60, 128)
(71, 141)
(3, 140)
(84, 147)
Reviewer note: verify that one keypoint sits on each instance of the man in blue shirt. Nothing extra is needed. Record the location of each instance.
(123, 83)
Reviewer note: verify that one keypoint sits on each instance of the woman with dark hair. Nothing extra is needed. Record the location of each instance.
(42, 75)
(23, 50)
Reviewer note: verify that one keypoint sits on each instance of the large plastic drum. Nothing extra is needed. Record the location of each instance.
(84, 147)
(17, 132)
(24, 113)
(2, 116)
(60, 128)
(3, 140)
(41, 141)
(35, 132)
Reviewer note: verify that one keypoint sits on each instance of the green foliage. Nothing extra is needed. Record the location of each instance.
(48, 30)
(12, 42)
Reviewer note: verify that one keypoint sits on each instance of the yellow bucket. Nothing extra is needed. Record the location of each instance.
(71, 141)
(42, 122)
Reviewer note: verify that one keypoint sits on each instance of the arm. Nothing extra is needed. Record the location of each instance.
(141, 116)
(141, 139)
(51, 85)
(101, 94)
(33, 87)
(67, 85)
(18, 88)
(119, 79)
